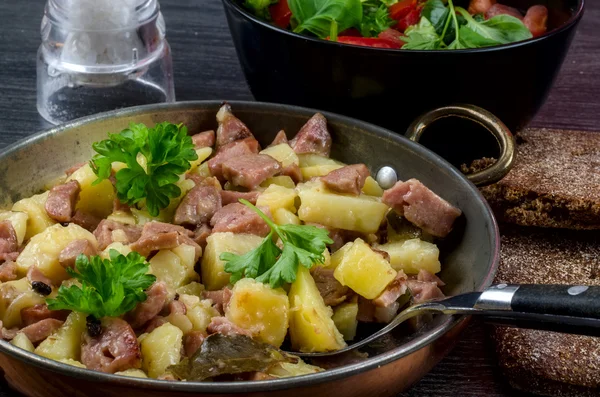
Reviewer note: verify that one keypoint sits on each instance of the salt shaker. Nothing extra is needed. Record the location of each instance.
(100, 55)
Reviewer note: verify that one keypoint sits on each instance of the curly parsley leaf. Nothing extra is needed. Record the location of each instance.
(322, 17)
(167, 149)
(375, 19)
(109, 287)
(260, 8)
(267, 263)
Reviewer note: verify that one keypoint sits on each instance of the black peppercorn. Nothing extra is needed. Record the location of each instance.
(41, 288)
(94, 327)
(176, 296)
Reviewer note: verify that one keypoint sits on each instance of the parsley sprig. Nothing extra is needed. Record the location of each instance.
(267, 263)
(168, 150)
(109, 287)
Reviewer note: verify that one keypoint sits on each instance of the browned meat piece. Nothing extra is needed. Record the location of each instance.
(232, 150)
(177, 307)
(155, 323)
(427, 277)
(39, 312)
(385, 314)
(115, 349)
(293, 171)
(69, 254)
(394, 290)
(156, 298)
(349, 179)
(157, 236)
(423, 291)
(280, 138)
(237, 218)
(74, 168)
(8, 334)
(41, 330)
(204, 139)
(250, 170)
(366, 310)
(8, 238)
(331, 290)
(230, 127)
(199, 205)
(536, 20)
(422, 207)
(220, 298)
(61, 201)
(195, 177)
(313, 137)
(192, 342)
(201, 234)
(8, 271)
(119, 206)
(223, 326)
(9, 256)
(500, 9)
(480, 6)
(103, 232)
(35, 275)
(86, 220)
(230, 196)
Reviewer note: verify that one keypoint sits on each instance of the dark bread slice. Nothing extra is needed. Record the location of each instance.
(555, 182)
(541, 362)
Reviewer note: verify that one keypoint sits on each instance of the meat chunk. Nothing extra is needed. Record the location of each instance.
(219, 298)
(155, 323)
(536, 20)
(69, 254)
(115, 349)
(119, 206)
(74, 168)
(204, 139)
(313, 137)
(422, 207)
(157, 236)
(39, 312)
(8, 238)
(230, 196)
(156, 298)
(480, 6)
(230, 127)
(61, 201)
(223, 326)
(349, 179)
(394, 290)
(35, 275)
(500, 9)
(250, 170)
(331, 290)
(41, 330)
(237, 218)
(232, 150)
(280, 138)
(423, 291)
(8, 271)
(293, 171)
(199, 205)
(201, 234)
(104, 232)
(366, 310)
(86, 220)
(427, 277)
(192, 342)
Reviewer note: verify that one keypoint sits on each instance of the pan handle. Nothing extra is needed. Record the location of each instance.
(493, 124)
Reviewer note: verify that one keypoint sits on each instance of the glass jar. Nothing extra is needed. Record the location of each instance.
(100, 55)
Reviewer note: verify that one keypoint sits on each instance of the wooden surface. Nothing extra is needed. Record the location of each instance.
(206, 67)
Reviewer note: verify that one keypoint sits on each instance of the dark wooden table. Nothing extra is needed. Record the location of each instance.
(206, 67)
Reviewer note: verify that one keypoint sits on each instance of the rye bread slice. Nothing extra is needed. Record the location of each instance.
(555, 182)
(541, 362)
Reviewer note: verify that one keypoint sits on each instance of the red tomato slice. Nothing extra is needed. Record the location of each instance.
(281, 14)
(368, 42)
(392, 35)
(402, 8)
(412, 18)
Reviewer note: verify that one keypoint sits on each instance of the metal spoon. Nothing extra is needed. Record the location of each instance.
(559, 308)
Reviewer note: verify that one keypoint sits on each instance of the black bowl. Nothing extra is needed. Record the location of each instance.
(392, 87)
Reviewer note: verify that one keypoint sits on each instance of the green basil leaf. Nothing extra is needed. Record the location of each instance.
(316, 16)
(501, 29)
(437, 13)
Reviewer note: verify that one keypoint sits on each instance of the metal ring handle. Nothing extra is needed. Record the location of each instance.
(493, 124)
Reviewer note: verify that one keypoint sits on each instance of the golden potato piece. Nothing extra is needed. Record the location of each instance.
(413, 255)
(37, 218)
